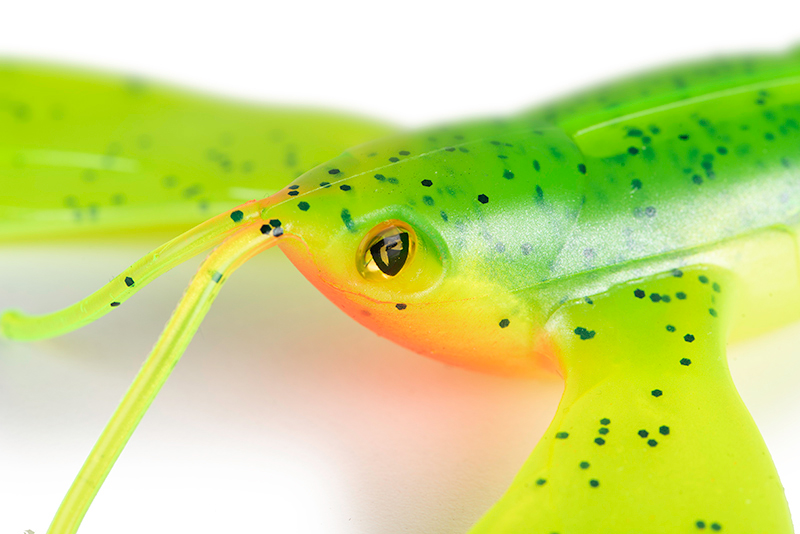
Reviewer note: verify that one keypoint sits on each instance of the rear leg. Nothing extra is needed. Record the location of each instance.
(650, 435)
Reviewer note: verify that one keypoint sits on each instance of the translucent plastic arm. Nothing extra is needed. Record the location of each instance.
(19, 326)
(184, 322)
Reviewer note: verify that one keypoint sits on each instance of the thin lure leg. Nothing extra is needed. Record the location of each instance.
(19, 326)
(185, 320)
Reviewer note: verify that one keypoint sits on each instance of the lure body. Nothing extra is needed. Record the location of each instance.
(538, 215)
(614, 238)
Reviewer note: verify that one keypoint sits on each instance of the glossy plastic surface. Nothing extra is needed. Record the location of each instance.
(690, 170)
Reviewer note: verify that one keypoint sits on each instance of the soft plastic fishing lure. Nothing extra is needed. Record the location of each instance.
(615, 237)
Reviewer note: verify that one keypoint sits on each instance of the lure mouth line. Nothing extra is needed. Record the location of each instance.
(19, 326)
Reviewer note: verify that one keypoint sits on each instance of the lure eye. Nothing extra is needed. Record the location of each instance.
(386, 249)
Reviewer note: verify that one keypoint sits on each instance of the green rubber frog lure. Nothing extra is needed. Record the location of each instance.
(618, 238)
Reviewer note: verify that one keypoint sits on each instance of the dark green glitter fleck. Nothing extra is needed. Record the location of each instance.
(584, 333)
(347, 219)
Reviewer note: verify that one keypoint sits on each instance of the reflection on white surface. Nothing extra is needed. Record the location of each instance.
(284, 415)
(282, 412)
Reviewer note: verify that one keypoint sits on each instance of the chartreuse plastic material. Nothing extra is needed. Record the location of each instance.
(616, 238)
(84, 153)
(184, 322)
(651, 435)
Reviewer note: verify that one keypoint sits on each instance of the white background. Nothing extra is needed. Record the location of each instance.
(285, 416)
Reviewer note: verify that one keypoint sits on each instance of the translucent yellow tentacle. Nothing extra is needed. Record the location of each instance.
(19, 326)
(165, 355)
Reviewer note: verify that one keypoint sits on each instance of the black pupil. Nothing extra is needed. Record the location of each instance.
(390, 253)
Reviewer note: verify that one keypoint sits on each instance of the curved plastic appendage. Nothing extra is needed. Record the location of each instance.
(19, 326)
(651, 435)
(85, 152)
(184, 322)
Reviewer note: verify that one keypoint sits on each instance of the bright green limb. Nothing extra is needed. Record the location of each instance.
(19, 326)
(83, 152)
(651, 435)
(165, 355)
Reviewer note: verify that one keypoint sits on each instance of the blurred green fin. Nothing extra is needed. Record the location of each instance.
(84, 153)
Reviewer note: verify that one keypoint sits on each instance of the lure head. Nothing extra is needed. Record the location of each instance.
(437, 240)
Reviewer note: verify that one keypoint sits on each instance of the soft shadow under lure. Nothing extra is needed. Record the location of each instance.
(615, 237)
